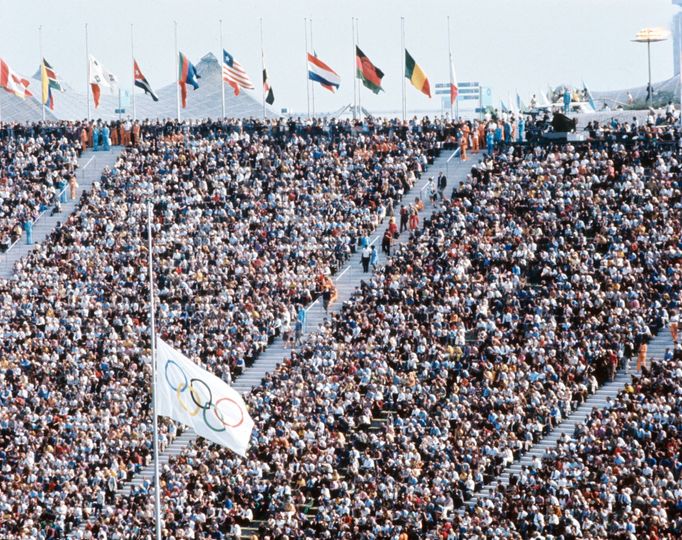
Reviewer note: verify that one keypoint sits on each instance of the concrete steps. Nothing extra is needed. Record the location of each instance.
(656, 349)
(90, 167)
(346, 280)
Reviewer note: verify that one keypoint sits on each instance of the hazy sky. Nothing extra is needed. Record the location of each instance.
(505, 44)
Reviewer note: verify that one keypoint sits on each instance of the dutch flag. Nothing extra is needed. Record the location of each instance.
(320, 72)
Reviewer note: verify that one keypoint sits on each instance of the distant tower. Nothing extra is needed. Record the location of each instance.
(677, 38)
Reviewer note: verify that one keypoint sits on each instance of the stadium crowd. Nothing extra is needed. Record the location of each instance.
(498, 318)
(241, 221)
(34, 169)
(617, 476)
(502, 314)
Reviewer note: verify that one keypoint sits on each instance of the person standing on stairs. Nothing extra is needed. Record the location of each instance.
(28, 228)
(641, 356)
(673, 326)
(366, 255)
(373, 258)
(73, 187)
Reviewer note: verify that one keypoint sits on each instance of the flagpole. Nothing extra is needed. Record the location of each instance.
(355, 82)
(262, 64)
(307, 79)
(357, 41)
(157, 494)
(177, 71)
(40, 44)
(132, 55)
(312, 86)
(87, 71)
(402, 60)
(222, 81)
(450, 58)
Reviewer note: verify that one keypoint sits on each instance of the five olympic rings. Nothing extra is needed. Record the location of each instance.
(201, 399)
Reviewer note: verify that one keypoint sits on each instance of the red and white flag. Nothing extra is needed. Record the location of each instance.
(99, 77)
(453, 83)
(13, 82)
(234, 74)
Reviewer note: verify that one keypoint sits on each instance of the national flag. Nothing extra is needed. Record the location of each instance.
(320, 72)
(504, 107)
(195, 397)
(234, 74)
(267, 89)
(416, 75)
(99, 77)
(50, 99)
(589, 97)
(520, 105)
(187, 74)
(48, 82)
(454, 89)
(13, 82)
(368, 73)
(141, 81)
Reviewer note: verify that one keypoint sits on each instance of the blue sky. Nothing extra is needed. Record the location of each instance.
(508, 45)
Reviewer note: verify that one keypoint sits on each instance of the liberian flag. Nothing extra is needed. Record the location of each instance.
(234, 74)
(453, 83)
(13, 82)
(187, 74)
(267, 89)
(141, 81)
(320, 72)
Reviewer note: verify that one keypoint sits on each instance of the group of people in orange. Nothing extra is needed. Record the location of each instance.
(120, 132)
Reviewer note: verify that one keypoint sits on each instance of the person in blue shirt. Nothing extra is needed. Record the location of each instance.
(28, 228)
(105, 138)
(567, 100)
(95, 139)
(522, 129)
(490, 142)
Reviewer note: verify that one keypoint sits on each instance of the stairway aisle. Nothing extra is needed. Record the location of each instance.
(347, 281)
(598, 400)
(90, 167)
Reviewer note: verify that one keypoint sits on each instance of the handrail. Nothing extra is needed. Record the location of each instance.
(453, 155)
(59, 196)
(447, 162)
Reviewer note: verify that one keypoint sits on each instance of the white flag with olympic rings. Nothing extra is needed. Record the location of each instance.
(191, 395)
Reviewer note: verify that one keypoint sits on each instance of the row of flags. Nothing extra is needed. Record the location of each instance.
(99, 77)
(232, 73)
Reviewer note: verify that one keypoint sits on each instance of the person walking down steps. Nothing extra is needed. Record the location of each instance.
(366, 256)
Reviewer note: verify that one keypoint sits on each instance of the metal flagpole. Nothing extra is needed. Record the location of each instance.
(307, 79)
(679, 29)
(157, 494)
(87, 71)
(177, 71)
(355, 81)
(450, 66)
(262, 63)
(222, 81)
(312, 86)
(357, 41)
(402, 60)
(42, 69)
(132, 55)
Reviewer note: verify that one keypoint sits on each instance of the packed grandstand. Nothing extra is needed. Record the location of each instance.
(537, 278)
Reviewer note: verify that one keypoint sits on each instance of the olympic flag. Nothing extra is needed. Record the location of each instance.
(193, 396)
